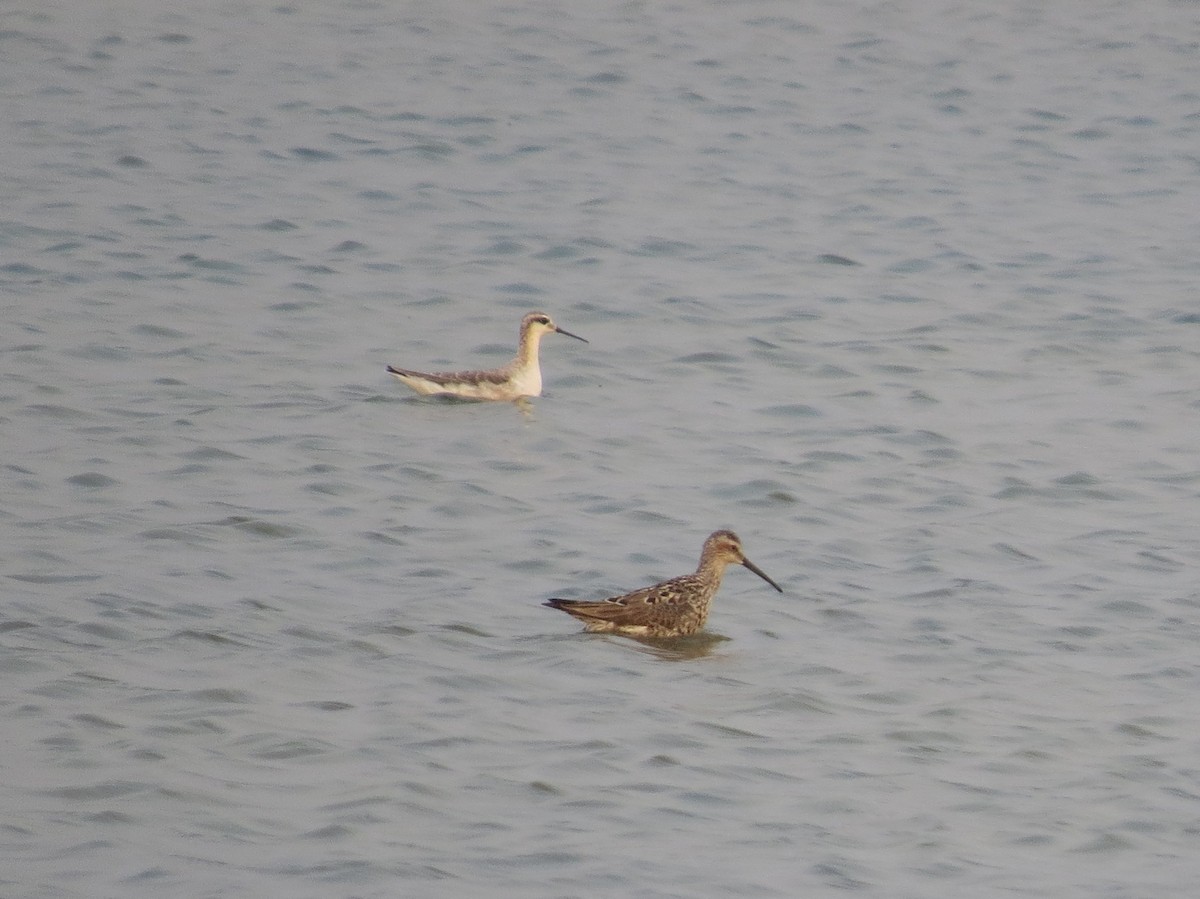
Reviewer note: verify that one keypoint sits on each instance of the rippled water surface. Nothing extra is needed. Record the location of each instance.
(905, 297)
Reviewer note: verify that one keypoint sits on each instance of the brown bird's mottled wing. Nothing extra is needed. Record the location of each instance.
(652, 607)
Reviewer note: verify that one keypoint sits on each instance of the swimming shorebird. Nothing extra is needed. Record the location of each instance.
(521, 377)
(674, 608)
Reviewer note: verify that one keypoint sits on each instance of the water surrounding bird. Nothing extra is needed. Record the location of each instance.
(674, 608)
(520, 378)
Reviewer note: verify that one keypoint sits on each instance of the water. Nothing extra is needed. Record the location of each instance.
(906, 298)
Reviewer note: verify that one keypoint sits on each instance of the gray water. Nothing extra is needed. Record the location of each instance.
(904, 294)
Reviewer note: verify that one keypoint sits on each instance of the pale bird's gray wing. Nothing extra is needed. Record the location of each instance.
(444, 378)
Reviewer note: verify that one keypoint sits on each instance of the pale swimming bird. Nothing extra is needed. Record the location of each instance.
(674, 608)
(521, 377)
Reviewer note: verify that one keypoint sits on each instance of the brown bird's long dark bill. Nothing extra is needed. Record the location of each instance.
(762, 574)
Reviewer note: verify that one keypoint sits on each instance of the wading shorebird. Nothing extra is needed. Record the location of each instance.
(674, 608)
(520, 378)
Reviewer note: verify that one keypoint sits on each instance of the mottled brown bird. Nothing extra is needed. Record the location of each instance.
(674, 608)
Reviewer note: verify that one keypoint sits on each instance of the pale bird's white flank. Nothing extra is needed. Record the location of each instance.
(674, 608)
(520, 378)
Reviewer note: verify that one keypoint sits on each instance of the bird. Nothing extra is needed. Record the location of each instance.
(520, 378)
(674, 608)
